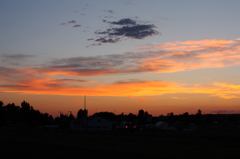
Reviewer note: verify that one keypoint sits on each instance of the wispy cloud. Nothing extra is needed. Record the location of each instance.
(174, 57)
(64, 76)
(76, 100)
(178, 56)
(17, 56)
(169, 58)
(178, 97)
(109, 11)
(32, 81)
(72, 21)
(77, 25)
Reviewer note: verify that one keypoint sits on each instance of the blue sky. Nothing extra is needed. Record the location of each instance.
(190, 45)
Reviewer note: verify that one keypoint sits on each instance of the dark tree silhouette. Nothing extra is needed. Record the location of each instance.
(82, 113)
(11, 114)
(142, 116)
(131, 117)
(171, 117)
(198, 117)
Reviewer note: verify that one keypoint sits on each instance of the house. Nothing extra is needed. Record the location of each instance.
(91, 123)
(98, 123)
(79, 124)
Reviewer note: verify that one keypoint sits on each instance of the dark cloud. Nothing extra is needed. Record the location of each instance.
(14, 86)
(125, 28)
(99, 65)
(126, 21)
(77, 25)
(71, 80)
(90, 39)
(107, 40)
(17, 56)
(72, 21)
(5, 71)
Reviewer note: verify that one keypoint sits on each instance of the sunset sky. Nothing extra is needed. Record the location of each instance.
(161, 56)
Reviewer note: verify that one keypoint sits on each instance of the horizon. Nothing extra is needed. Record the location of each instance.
(221, 112)
(160, 56)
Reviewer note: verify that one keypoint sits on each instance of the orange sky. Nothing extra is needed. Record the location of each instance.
(61, 90)
(156, 96)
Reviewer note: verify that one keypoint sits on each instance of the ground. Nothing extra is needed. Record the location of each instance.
(149, 144)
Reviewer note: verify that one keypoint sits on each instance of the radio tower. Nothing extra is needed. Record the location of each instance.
(85, 110)
(84, 102)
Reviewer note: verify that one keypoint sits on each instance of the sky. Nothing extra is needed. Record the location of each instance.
(161, 56)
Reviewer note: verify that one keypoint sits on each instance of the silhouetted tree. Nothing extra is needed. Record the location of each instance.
(186, 118)
(198, 117)
(25, 106)
(1, 115)
(82, 113)
(142, 116)
(70, 118)
(131, 117)
(171, 117)
(11, 114)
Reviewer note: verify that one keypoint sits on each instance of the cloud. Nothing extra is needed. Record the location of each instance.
(125, 21)
(33, 81)
(64, 76)
(17, 56)
(125, 28)
(77, 25)
(185, 56)
(76, 100)
(178, 97)
(72, 21)
(109, 11)
(47, 84)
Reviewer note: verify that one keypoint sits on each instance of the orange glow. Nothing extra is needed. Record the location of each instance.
(132, 89)
(164, 58)
(227, 85)
(81, 73)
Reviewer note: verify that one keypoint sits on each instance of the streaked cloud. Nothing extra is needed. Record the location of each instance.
(66, 76)
(72, 21)
(178, 97)
(109, 11)
(16, 56)
(77, 25)
(48, 84)
(165, 58)
(175, 57)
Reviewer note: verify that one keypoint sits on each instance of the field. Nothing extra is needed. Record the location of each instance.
(148, 144)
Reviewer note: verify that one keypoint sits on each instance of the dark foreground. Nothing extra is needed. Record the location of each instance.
(153, 144)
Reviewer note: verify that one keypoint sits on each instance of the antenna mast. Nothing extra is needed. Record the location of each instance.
(85, 102)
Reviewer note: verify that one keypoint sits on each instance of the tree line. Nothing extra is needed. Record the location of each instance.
(25, 113)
